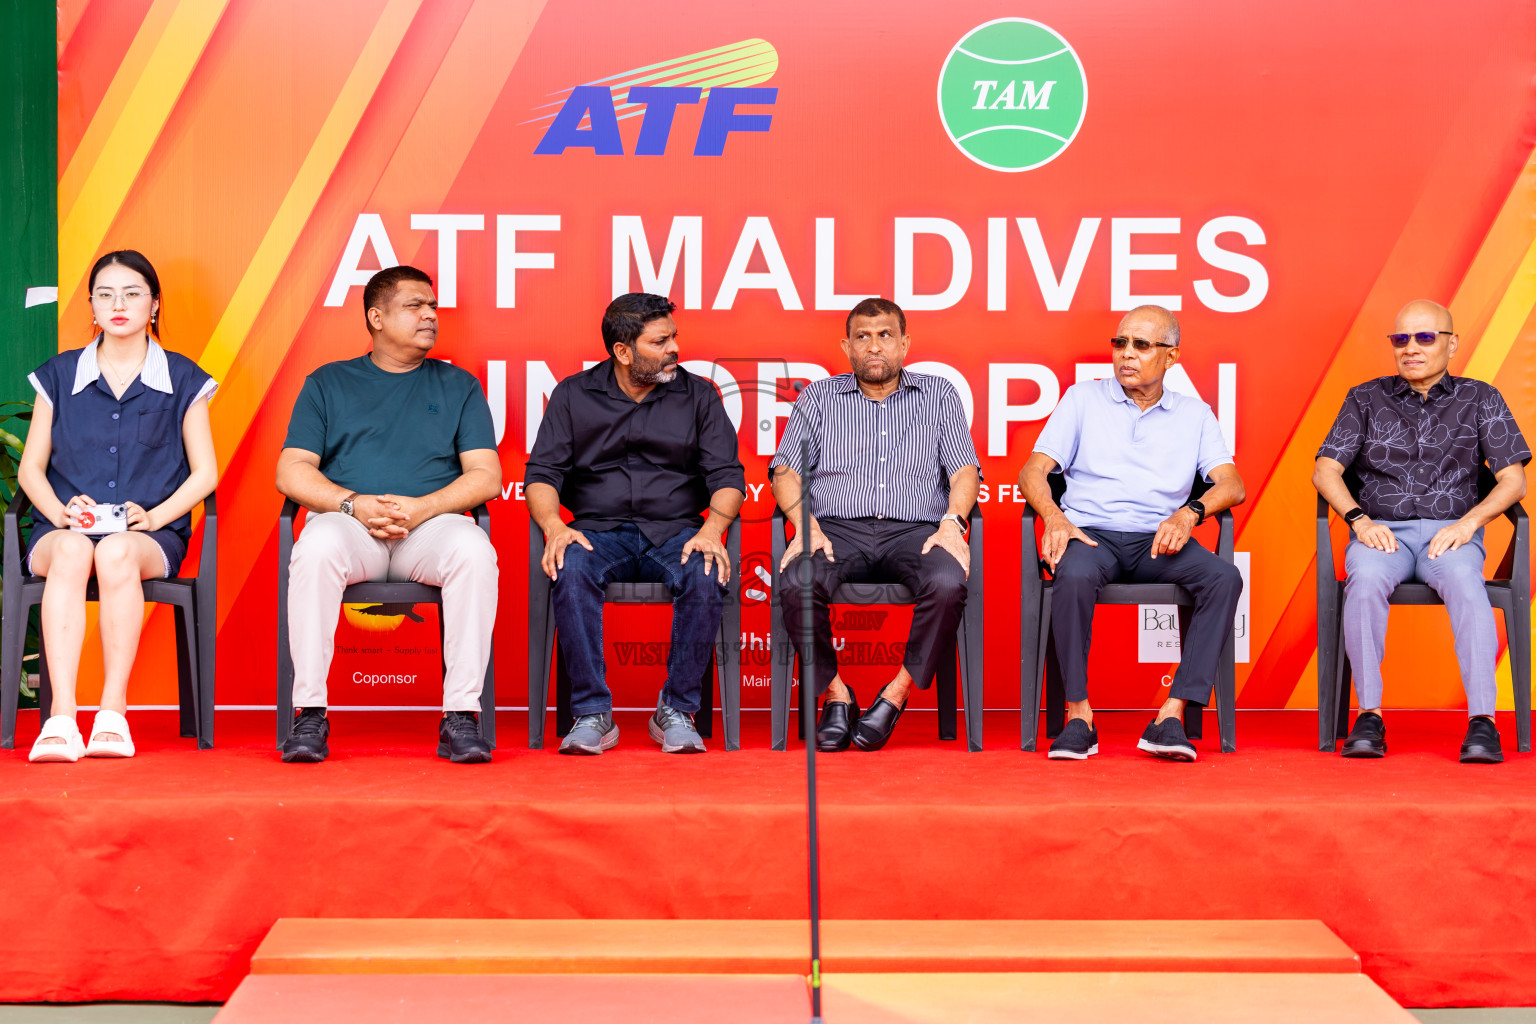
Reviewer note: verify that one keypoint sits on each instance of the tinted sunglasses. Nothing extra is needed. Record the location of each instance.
(1140, 344)
(1422, 337)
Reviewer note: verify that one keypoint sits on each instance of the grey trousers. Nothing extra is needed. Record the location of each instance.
(1457, 576)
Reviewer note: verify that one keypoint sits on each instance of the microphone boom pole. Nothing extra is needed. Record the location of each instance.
(808, 719)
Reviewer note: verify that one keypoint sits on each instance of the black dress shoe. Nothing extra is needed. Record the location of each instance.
(876, 725)
(834, 729)
(1482, 743)
(1368, 738)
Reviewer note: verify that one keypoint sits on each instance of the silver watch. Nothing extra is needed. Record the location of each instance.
(959, 521)
(346, 504)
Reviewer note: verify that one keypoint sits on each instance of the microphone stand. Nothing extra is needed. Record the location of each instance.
(808, 717)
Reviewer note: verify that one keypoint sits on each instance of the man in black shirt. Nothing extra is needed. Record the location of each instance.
(1416, 441)
(637, 448)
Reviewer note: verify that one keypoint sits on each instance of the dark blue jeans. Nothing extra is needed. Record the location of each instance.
(623, 555)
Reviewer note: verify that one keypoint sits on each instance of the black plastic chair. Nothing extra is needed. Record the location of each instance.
(969, 648)
(405, 593)
(1037, 649)
(1509, 591)
(724, 661)
(194, 598)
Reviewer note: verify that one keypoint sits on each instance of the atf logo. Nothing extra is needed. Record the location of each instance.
(722, 79)
(1012, 94)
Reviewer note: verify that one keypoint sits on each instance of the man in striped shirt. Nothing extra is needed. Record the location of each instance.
(894, 475)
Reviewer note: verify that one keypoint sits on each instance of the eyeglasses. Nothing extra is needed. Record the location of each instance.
(1140, 344)
(1422, 337)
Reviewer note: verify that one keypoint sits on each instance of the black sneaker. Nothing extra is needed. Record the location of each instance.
(1482, 743)
(1167, 739)
(306, 742)
(459, 739)
(1077, 742)
(1368, 738)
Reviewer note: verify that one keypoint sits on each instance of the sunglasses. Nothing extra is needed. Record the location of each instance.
(1422, 337)
(1140, 344)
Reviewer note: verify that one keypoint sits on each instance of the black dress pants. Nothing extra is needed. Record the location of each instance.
(1127, 558)
(879, 551)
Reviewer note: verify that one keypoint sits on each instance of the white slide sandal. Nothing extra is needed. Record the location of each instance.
(58, 727)
(112, 723)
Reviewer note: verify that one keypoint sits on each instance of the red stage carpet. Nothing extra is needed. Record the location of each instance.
(155, 878)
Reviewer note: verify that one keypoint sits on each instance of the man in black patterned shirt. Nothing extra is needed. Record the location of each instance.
(1416, 442)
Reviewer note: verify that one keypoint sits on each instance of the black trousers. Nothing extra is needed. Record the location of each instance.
(1127, 558)
(879, 551)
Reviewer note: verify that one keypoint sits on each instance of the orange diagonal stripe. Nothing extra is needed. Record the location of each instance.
(261, 274)
(152, 77)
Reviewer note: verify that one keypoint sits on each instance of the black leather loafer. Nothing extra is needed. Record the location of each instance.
(1481, 745)
(876, 725)
(1368, 738)
(834, 729)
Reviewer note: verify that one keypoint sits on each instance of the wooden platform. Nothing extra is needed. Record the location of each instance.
(476, 946)
(969, 998)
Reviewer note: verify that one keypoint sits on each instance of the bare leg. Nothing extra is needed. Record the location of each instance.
(897, 689)
(123, 562)
(1080, 709)
(65, 558)
(837, 692)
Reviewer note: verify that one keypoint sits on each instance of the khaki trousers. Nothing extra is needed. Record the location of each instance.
(448, 551)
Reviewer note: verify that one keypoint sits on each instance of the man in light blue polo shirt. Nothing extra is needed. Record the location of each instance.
(1130, 450)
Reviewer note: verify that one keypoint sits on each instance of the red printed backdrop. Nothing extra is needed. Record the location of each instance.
(264, 153)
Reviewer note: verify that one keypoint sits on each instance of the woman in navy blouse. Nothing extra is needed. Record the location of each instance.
(119, 422)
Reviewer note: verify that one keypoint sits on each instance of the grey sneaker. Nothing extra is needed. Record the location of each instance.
(591, 734)
(674, 730)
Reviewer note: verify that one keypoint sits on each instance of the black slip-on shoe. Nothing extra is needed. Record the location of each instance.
(1167, 739)
(459, 739)
(874, 727)
(1482, 743)
(834, 728)
(306, 742)
(1077, 741)
(1368, 738)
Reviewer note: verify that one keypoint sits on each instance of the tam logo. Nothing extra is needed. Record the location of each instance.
(594, 106)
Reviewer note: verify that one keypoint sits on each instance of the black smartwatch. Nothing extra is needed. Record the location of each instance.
(1199, 509)
(1353, 516)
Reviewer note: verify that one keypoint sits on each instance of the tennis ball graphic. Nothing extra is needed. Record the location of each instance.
(1012, 94)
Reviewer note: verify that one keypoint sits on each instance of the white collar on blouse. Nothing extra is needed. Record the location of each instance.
(156, 373)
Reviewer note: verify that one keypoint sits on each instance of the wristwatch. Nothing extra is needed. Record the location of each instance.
(1198, 507)
(958, 519)
(1353, 516)
(346, 504)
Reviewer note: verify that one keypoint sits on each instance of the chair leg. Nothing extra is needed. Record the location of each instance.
(192, 700)
(1055, 693)
(1194, 717)
(564, 720)
(1327, 653)
(1520, 669)
(728, 657)
(780, 663)
(704, 721)
(488, 700)
(206, 629)
(1342, 680)
(44, 681)
(945, 681)
(971, 681)
(541, 651)
(185, 696)
(1030, 711)
(1226, 705)
(284, 662)
(13, 638)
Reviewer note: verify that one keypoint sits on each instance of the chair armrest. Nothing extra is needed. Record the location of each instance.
(1226, 541)
(1027, 543)
(208, 557)
(482, 516)
(1325, 567)
(19, 504)
(1516, 565)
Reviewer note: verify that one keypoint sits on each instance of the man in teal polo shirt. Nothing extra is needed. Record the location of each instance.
(386, 451)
